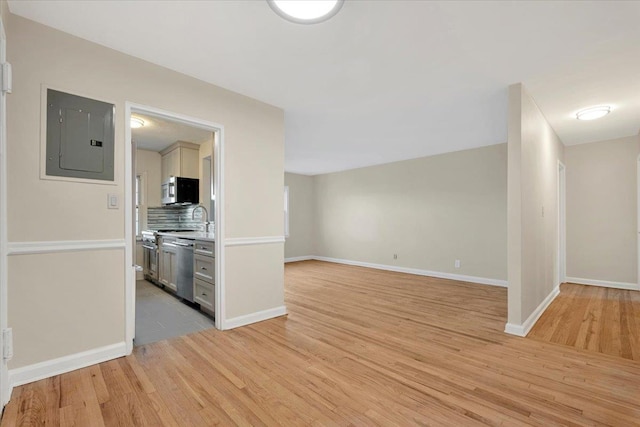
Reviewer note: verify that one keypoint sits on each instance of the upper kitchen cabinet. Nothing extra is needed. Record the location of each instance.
(180, 159)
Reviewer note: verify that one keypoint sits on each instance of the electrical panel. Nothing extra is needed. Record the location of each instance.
(80, 137)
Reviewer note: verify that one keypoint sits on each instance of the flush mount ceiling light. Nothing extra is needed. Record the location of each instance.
(306, 11)
(136, 122)
(593, 113)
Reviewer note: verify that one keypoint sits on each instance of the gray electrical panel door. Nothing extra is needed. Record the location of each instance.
(80, 137)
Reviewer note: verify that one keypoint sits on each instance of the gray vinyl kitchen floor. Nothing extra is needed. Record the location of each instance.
(160, 315)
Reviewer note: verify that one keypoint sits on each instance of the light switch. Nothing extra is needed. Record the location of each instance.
(112, 201)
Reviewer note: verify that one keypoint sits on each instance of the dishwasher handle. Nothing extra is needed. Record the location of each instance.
(184, 245)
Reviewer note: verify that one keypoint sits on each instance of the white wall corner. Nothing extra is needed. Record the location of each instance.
(603, 283)
(258, 316)
(61, 365)
(523, 330)
(514, 329)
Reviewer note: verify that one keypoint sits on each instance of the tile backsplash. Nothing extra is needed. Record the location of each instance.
(175, 218)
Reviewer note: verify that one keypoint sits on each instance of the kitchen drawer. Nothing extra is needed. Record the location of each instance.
(204, 268)
(204, 248)
(204, 294)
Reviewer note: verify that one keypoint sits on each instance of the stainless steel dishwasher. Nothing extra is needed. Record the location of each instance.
(185, 269)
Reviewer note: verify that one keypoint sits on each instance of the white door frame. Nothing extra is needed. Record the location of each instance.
(638, 214)
(218, 158)
(562, 224)
(5, 388)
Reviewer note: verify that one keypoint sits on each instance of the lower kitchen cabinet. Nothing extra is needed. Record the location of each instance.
(204, 275)
(168, 275)
(203, 268)
(204, 294)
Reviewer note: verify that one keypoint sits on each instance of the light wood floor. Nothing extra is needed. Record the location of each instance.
(593, 318)
(360, 347)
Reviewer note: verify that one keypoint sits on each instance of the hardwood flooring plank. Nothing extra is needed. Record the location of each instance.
(78, 399)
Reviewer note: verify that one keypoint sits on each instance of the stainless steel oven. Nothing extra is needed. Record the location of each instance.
(150, 260)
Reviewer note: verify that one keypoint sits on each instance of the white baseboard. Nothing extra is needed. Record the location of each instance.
(416, 271)
(298, 258)
(50, 368)
(258, 316)
(603, 283)
(523, 330)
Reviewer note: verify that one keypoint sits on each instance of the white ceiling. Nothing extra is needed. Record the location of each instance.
(387, 80)
(157, 134)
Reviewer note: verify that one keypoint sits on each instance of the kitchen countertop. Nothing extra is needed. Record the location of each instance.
(197, 235)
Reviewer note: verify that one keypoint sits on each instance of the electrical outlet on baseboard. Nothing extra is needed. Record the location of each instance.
(457, 264)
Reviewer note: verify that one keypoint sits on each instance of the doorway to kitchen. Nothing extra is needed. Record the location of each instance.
(175, 283)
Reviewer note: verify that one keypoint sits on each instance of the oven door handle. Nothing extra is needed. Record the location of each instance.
(148, 247)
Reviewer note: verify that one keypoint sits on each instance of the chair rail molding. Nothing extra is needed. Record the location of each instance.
(246, 241)
(28, 248)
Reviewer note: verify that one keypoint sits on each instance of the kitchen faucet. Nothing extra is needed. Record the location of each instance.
(206, 223)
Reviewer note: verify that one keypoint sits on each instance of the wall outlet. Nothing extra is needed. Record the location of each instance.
(7, 344)
(395, 256)
(457, 265)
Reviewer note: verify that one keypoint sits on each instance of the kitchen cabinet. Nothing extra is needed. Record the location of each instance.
(204, 294)
(168, 271)
(170, 165)
(203, 268)
(180, 159)
(204, 275)
(205, 248)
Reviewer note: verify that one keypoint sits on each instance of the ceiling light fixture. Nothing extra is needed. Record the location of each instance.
(593, 113)
(306, 11)
(136, 122)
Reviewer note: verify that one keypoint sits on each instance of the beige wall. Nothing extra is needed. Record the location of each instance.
(602, 213)
(148, 164)
(61, 211)
(251, 264)
(534, 152)
(301, 216)
(430, 211)
(4, 11)
(61, 297)
(206, 150)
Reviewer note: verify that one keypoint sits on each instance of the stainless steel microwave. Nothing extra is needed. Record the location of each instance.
(178, 190)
